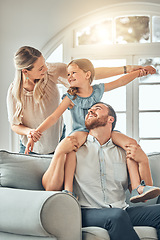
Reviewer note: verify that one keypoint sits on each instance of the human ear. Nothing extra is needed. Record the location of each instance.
(24, 71)
(111, 119)
(88, 74)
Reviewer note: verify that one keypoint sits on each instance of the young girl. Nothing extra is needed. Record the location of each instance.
(79, 98)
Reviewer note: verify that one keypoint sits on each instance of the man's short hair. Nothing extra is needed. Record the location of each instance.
(111, 112)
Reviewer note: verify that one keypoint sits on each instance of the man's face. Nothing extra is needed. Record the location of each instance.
(97, 116)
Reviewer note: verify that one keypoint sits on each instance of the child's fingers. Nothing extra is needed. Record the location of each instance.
(74, 141)
(36, 135)
(26, 151)
(131, 150)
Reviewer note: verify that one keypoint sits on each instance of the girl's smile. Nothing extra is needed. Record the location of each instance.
(76, 76)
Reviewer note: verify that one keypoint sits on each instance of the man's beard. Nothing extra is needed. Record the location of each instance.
(93, 123)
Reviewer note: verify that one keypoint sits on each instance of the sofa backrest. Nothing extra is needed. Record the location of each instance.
(22, 171)
(26, 171)
(154, 160)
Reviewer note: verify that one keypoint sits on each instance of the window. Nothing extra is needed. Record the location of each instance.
(128, 29)
(115, 36)
(56, 55)
(156, 29)
(113, 97)
(149, 107)
(99, 33)
(132, 29)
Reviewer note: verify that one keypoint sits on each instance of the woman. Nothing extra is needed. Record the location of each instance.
(34, 95)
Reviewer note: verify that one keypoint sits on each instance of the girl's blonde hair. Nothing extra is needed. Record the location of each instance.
(25, 58)
(85, 65)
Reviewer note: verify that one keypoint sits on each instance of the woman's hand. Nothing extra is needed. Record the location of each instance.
(147, 69)
(29, 147)
(34, 134)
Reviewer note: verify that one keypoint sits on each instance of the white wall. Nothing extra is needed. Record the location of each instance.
(34, 23)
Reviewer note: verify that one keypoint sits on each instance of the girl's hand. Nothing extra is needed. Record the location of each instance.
(34, 134)
(142, 72)
(135, 152)
(149, 69)
(67, 145)
(29, 146)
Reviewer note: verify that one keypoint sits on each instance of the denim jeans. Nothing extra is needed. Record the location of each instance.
(22, 147)
(119, 223)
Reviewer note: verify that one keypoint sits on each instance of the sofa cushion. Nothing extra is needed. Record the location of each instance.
(22, 171)
(96, 233)
(146, 233)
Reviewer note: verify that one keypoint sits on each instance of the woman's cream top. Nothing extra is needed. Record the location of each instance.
(34, 113)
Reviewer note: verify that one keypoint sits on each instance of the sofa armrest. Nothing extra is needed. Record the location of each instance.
(40, 213)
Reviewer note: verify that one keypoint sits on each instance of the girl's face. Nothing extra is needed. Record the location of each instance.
(38, 71)
(76, 76)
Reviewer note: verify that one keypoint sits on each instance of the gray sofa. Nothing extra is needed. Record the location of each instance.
(27, 212)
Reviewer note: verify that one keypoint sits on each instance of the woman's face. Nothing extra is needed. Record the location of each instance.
(39, 69)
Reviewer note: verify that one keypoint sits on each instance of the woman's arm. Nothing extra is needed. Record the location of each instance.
(23, 130)
(20, 129)
(105, 72)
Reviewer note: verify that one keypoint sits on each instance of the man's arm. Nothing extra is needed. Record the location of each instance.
(54, 176)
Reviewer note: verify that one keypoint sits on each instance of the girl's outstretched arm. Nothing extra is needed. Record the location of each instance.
(53, 118)
(124, 80)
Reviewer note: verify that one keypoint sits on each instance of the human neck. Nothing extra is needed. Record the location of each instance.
(102, 134)
(28, 84)
(85, 91)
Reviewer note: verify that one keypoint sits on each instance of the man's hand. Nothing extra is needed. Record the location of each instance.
(29, 146)
(67, 145)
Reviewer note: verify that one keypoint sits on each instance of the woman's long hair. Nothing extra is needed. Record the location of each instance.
(85, 65)
(25, 58)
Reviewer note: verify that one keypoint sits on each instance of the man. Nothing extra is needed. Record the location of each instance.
(101, 179)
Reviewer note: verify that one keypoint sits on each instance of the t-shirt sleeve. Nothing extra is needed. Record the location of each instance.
(57, 72)
(12, 108)
(98, 92)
